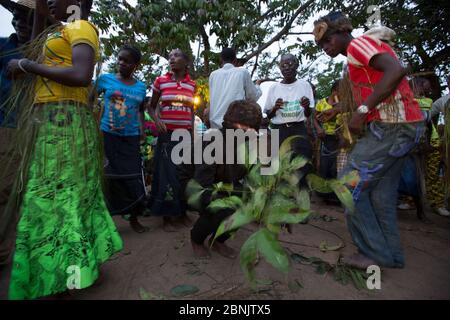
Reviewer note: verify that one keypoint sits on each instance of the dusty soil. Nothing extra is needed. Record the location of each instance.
(151, 264)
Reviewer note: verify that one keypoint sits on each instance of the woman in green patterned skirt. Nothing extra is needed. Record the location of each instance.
(64, 230)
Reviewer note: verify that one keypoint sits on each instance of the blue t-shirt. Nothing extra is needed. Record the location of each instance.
(8, 51)
(121, 105)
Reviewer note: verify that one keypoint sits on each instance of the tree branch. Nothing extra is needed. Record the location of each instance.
(282, 32)
(255, 66)
(299, 33)
(207, 46)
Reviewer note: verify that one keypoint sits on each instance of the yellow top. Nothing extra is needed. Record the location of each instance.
(58, 53)
(330, 126)
(425, 104)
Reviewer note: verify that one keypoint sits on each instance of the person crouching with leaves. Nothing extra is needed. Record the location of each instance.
(241, 114)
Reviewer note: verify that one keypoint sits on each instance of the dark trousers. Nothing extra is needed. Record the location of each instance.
(167, 196)
(207, 225)
(300, 146)
(329, 148)
(328, 156)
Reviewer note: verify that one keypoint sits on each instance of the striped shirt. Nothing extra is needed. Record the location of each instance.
(177, 101)
(400, 107)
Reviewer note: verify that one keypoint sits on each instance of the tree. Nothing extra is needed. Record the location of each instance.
(158, 26)
(253, 28)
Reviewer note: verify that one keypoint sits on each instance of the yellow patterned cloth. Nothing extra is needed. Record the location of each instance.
(58, 53)
(330, 126)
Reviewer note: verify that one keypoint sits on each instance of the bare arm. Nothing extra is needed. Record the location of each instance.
(154, 114)
(78, 75)
(317, 126)
(393, 74)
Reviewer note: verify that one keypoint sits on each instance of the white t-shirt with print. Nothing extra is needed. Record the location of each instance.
(291, 94)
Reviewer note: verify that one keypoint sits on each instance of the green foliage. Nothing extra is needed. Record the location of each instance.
(271, 202)
(324, 79)
(183, 290)
(333, 185)
(157, 26)
(341, 273)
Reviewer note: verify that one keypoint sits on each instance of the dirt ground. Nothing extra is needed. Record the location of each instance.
(151, 264)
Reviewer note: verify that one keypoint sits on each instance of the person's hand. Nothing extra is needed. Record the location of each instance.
(305, 102)
(258, 82)
(356, 123)
(326, 115)
(278, 105)
(13, 70)
(320, 133)
(161, 126)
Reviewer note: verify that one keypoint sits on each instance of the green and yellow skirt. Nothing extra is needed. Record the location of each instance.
(64, 231)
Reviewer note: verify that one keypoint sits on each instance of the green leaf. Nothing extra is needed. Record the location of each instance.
(286, 146)
(194, 193)
(288, 218)
(303, 200)
(318, 184)
(355, 279)
(232, 202)
(259, 202)
(183, 290)
(248, 256)
(221, 186)
(287, 191)
(351, 178)
(281, 203)
(297, 163)
(322, 267)
(238, 219)
(144, 294)
(254, 177)
(343, 194)
(324, 247)
(292, 178)
(270, 249)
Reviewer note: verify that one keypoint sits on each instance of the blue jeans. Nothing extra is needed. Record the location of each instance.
(378, 158)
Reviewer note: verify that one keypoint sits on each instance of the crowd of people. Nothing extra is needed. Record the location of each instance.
(66, 171)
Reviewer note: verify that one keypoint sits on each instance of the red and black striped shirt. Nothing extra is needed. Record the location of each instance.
(177, 101)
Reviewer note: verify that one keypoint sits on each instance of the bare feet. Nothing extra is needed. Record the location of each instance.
(168, 225)
(224, 250)
(200, 250)
(359, 261)
(136, 226)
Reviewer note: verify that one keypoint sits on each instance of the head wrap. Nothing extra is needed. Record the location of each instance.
(333, 22)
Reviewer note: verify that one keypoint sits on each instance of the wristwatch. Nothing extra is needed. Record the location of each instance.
(362, 109)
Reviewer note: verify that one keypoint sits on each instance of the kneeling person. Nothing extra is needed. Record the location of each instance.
(243, 115)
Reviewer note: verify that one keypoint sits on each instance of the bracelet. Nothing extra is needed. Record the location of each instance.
(21, 67)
